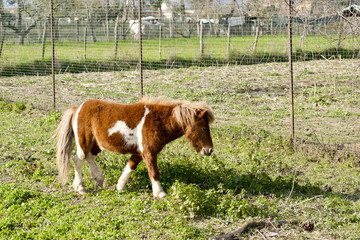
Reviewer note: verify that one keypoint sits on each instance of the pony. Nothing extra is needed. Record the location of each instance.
(141, 129)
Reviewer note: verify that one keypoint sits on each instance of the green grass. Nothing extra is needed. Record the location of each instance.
(253, 175)
(184, 52)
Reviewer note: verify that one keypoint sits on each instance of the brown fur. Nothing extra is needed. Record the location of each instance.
(166, 121)
(184, 111)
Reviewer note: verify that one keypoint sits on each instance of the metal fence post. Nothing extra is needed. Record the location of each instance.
(52, 53)
(291, 80)
(140, 53)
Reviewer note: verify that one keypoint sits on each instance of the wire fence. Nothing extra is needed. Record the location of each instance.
(103, 36)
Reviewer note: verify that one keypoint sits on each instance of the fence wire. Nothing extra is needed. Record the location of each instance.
(101, 36)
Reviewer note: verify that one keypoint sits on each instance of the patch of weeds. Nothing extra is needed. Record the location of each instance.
(324, 100)
(307, 72)
(244, 87)
(5, 106)
(272, 74)
(279, 113)
(50, 119)
(89, 81)
(191, 201)
(265, 108)
(16, 107)
(11, 194)
(338, 113)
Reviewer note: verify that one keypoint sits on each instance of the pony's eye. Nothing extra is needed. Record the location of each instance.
(204, 129)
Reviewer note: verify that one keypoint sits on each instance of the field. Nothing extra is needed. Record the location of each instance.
(254, 173)
(26, 59)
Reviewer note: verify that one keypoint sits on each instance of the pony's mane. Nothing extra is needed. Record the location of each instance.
(184, 112)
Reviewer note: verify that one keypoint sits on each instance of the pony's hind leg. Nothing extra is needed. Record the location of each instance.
(95, 170)
(129, 168)
(78, 183)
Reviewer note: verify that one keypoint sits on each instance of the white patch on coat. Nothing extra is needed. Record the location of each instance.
(124, 178)
(131, 136)
(79, 152)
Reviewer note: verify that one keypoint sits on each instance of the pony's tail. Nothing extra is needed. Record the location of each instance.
(64, 146)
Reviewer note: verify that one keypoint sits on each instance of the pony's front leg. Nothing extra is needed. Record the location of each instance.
(154, 175)
(129, 168)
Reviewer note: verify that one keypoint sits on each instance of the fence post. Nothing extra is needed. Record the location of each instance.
(52, 53)
(44, 40)
(201, 40)
(257, 29)
(170, 29)
(85, 36)
(291, 81)
(340, 33)
(228, 41)
(140, 52)
(160, 36)
(78, 30)
(116, 35)
(2, 40)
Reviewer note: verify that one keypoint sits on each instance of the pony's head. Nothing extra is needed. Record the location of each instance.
(195, 118)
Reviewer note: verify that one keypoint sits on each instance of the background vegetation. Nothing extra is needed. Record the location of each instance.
(254, 173)
(175, 53)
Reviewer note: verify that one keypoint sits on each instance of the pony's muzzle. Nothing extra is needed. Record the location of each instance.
(207, 151)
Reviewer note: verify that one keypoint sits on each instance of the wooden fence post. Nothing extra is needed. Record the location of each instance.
(85, 36)
(44, 40)
(228, 41)
(2, 40)
(160, 36)
(116, 35)
(201, 40)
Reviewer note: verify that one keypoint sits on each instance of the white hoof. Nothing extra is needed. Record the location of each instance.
(121, 187)
(160, 195)
(80, 189)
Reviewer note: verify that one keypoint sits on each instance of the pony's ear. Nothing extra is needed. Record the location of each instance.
(202, 114)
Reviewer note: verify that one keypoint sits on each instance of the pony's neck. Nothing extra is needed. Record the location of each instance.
(167, 127)
(175, 130)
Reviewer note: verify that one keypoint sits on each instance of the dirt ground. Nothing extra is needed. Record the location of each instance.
(326, 94)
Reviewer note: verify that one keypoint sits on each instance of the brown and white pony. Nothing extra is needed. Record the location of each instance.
(141, 129)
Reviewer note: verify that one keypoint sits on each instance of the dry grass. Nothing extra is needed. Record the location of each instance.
(326, 94)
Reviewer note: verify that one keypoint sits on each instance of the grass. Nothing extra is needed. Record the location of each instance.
(326, 97)
(175, 53)
(254, 173)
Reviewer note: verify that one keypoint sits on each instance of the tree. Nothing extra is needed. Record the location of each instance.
(156, 4)
(16, 23)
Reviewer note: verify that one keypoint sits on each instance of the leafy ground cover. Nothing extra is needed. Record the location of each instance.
(254, 173)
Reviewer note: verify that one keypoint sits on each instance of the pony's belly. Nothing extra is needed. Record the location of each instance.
(119, 144)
